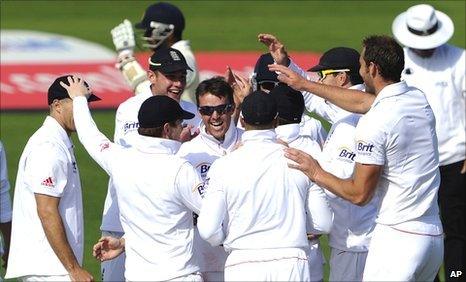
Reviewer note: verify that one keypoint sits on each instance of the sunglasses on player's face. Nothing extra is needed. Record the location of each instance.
(323, 73)
(268, 84)
(220, 109)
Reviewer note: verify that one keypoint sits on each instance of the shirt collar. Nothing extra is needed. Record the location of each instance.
(231, 136)
(155, 145)
(288, 132)
(259, 135)
(391, 90)
(52, 124)
(181, 44)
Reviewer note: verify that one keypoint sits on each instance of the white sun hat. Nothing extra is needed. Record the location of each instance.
(422, 27)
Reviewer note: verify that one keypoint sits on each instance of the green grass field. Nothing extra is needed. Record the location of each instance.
(211, 25)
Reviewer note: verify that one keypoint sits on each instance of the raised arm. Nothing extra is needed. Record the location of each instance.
(95, 143)
(348, 99)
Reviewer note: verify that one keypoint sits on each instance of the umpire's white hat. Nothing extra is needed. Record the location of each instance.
(422, 27)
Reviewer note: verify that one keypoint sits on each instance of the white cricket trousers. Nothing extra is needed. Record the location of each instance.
(401, 256)
(316, 261)
(346, 265)
(284, 264)
(114, 269)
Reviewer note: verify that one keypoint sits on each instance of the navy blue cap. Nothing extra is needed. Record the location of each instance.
(157, 110)
(164, 13)
(290, 103)
(338, 58)
(57, 92)
(259, 108)
(261, 68)
(168, 60)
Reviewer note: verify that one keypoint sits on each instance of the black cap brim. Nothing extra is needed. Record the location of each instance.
(172, 68)
(93, 98)
(318, 68)
(187, 115)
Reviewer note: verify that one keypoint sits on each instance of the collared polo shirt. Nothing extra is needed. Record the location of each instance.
(47, 166)
(261, 202)
(156, 192)
(398, 133)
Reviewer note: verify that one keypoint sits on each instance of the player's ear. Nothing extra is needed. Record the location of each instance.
(151, 76)
(166, 130)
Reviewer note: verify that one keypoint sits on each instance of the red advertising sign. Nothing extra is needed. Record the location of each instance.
(25, 79)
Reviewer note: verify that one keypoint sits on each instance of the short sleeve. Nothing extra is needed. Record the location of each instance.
(370, 142)
(47, 170)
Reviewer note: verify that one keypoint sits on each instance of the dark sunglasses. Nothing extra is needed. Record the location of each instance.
(268, 84)
(220, 109)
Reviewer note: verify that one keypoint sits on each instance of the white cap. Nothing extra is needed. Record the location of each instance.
(422, 27)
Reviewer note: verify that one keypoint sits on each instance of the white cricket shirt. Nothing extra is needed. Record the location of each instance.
(126, 129)
(253, 200)
(47, 166)
(352, 224)
(157, 193)
(5, 202)
(442, 79)
(398, 133)
(201, 152)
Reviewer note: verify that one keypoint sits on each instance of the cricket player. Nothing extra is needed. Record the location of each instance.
(163, 25)
(266, 80)
(218, 137)
(290, 106)
(5, 209)
(438, 69)
(167, 74)
(47, 225)
(396, 157)
(258, 211)
(157, 193)
(353, 225)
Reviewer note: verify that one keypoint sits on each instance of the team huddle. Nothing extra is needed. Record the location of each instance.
(229, 178)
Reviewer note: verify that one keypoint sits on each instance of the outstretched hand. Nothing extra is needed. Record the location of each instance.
(289, 77)
(276, 48)
(303, 162)
(241, 86)
(123, 37)
(76, 87)
(108, 248)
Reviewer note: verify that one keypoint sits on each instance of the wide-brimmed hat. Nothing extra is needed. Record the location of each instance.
(422, 27)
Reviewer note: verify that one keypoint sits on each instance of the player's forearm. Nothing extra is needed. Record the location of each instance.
(344, 188)
(348, 99)
(56, 236)
(320, 214)
(89, 135)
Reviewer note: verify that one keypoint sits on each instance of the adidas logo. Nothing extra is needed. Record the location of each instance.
(48, 182)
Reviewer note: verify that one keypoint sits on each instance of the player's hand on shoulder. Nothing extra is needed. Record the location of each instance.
(75, 87)
(186, 134)
(80, 274)
(123, 37)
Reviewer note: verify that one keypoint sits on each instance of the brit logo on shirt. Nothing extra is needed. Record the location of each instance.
(203, 168)
(346, 155)
(200, 188)
(364, 148)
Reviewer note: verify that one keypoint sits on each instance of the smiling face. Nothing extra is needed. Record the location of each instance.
(218, 122)
(171, 84)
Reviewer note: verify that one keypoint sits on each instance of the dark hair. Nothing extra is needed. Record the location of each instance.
(386, 53)
(216, 86)
(355, 77)
(155, 131)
